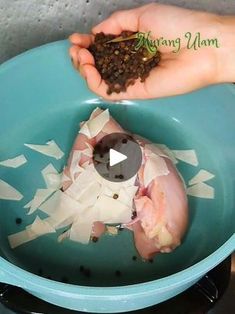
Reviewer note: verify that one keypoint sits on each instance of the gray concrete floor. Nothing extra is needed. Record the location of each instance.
(29, 23)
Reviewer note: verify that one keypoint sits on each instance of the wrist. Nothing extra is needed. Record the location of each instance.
(225, 54)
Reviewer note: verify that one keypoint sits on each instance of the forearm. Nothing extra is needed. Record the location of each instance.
(226, 52)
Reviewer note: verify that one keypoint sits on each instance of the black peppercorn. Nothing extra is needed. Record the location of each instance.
(119, 63)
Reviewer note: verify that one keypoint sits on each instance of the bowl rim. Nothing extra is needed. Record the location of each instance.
(20, 277)
(161, 285)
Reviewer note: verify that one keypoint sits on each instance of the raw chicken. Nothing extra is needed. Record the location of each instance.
(162, 213)
(160, 202)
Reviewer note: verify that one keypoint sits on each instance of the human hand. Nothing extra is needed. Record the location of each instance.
(177, 73)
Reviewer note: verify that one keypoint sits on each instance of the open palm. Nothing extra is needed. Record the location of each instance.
(177, 73)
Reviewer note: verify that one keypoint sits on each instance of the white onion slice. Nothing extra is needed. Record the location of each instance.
(81, 231)
(14, 162)
(33, 231)
(85, 129)
(20, 238)
(189, 156)
(60, 219)
(40, 196)
(167, 152)
(8, 192)
(81, 183)
(74, 167)
(61, 204)
(40, 227)
(64, 178)
(126, 195)
(50, 149)
(201, 190)
(202, 176)
(63, 236)
(94, 112)
(51, 204)
(51, 177)
(88, 151)
(28, 205)
(112, 211)
(89, 195)
(155, 149)
(155, 166)
(94, 126)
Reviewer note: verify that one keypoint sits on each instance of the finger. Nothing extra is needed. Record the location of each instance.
(98, 86)
(85, 57)
(73, 51)
(93, 78)
(122, 20)
(82, 40)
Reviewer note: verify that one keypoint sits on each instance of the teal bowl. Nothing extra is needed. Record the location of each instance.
(42, 98)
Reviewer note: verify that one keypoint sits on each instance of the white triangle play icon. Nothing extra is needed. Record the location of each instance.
(115, 157)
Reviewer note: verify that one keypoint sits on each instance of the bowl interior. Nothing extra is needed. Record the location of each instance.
(48, 102)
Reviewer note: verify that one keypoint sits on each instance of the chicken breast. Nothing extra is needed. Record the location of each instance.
(160, 204)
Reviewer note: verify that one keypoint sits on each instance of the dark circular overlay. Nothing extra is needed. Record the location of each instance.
(121, 143)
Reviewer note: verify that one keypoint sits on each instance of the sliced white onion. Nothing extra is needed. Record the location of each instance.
(127, 194)
(51, 177)
(20, 238)
(112, 211)
(40, 227)
(28, 205)
(63, 236)
(14, 162)
(85, 130)
(88, 151)
(74, 167)
(40, 196)
(155, 149)
(8, 192)
(89, 146)
(201, 190)
(88, 196)
(51, 204)
(155, 166)
(61, 204)
(64, 178)
(114, 186)
(61, 220)
(33, 231)
(189, 156)
(94, 126)
(81, 183)
(167, 152)
(202, 176)
(81, 231)
(49, 149)
(95, 112)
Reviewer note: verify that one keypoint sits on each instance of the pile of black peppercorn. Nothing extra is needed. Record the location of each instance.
(119, 63)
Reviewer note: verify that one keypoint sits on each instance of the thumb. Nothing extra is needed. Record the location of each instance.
(125, 20)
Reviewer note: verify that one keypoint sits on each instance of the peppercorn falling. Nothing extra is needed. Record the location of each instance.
(119, 63)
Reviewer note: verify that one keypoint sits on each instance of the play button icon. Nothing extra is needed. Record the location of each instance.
(117, 157)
